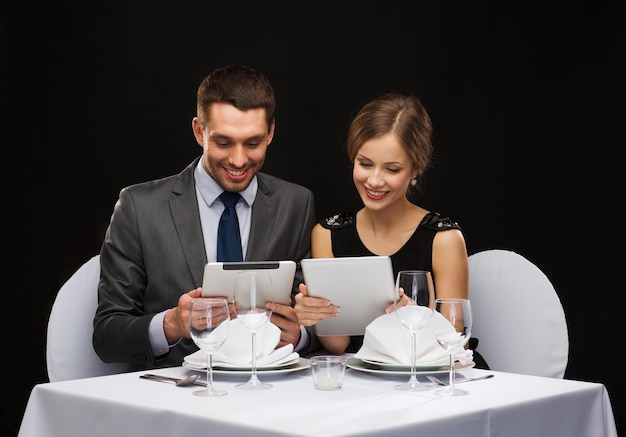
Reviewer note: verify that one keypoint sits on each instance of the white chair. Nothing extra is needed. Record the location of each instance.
(69, 348)
(518, 317)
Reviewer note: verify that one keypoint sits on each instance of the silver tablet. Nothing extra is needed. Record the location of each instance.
(219, 278)
(362, 286)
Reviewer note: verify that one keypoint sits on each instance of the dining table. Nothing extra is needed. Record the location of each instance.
(367, 404)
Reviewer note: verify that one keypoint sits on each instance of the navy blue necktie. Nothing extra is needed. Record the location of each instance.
(228, 238)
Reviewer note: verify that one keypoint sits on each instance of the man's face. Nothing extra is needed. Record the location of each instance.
(235, 143)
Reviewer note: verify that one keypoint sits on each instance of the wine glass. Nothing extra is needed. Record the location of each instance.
(250, 306)
(209, 322)
(418, 286)
(459, 313)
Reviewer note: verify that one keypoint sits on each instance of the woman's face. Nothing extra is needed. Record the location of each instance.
(382, 172)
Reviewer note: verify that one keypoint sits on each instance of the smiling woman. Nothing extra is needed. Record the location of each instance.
(389, 144)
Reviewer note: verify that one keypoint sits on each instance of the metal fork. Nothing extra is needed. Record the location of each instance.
(457, 381)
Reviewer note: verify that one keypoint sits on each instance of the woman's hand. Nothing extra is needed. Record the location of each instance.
(403, 300)
(310, 310)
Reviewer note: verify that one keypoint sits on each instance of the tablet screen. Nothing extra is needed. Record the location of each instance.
(362, 286)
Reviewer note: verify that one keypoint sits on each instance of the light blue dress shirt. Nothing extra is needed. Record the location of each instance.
(211, 208)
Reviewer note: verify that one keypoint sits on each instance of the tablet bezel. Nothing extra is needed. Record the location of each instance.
(361, 286)
(219, 278)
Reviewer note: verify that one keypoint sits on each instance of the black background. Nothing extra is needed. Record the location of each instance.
(527, 102)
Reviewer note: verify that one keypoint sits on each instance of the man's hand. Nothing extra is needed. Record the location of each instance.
(176, 320)
(284, 316)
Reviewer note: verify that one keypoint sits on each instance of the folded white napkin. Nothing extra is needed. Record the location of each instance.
(387, 341)
(237, 349)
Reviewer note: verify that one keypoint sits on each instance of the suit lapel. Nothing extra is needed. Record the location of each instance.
(263, 215)
(186, 218)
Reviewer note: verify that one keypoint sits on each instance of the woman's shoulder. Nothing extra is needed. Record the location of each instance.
(437, 222)
(338, 221)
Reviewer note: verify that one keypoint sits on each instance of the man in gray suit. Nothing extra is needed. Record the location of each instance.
(163, 232)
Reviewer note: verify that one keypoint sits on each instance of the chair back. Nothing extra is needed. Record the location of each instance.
(518, 316)
(69, 347)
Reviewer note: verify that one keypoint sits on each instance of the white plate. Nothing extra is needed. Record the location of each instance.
(285, 361)
(227, 366)
(299, 364)
(395, 366)
(394, 369)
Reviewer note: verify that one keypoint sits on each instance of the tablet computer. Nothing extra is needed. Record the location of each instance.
(361, 286)
(219, 278)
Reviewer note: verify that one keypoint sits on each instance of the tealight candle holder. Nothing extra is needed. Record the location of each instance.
(328, 371)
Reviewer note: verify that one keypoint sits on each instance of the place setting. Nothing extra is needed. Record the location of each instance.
(250, 340)
(422, 337)
(386, 350)
(235, 356)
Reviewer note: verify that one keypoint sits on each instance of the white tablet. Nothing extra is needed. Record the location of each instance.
(219, 278)
(362, 286)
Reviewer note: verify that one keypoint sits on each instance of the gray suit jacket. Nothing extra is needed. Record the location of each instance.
(154, 251)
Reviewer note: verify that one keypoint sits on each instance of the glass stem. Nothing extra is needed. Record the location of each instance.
(209, 372)
(452, 375)
(413, 347)
(253, 377)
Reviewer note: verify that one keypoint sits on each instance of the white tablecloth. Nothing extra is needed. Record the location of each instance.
(507, 405)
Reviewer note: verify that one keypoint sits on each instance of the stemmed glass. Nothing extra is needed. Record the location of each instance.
(459, 314)
(418, 286)
(209, 323)
(251, 309)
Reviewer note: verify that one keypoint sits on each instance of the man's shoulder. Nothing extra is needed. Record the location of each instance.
(160, 182)
(277, 184)
(174, 182)
(153, 187)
